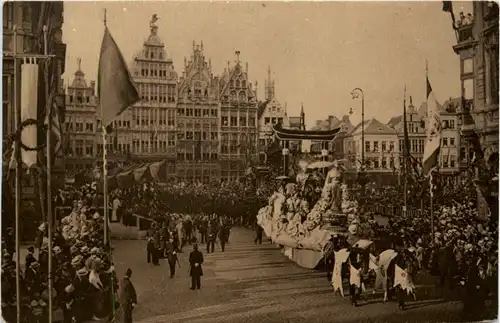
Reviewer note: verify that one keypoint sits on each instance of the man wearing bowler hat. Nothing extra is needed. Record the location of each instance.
(195, 271)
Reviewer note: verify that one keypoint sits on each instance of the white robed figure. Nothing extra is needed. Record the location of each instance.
(116, 205)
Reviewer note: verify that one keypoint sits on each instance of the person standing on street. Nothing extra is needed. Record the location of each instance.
(172, 259)
(195, 271)
(258, 231)
(128, 297)
(150, 249)
(224, 235)
(211, 237)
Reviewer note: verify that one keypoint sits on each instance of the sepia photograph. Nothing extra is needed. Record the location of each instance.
(250, 161)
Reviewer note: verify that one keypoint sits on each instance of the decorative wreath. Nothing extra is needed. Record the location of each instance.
(26, 123)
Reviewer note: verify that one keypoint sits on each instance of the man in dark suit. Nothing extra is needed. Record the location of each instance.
(128, 297)
(172, 259)
(195, 271)
(30, 258)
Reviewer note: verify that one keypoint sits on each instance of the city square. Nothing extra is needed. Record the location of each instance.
(248, 162)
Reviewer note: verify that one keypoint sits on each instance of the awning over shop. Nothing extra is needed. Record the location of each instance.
(294, 134)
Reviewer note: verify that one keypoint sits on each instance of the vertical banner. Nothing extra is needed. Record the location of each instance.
(29, 106)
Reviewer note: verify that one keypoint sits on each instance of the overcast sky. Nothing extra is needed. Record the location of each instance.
(318, 51)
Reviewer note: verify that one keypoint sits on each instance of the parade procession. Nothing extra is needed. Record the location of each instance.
(189, 193)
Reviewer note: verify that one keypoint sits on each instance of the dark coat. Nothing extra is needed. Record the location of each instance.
(195, 257)
(29, 260)
(127, 292)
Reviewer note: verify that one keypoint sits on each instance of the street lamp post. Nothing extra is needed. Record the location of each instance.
(356, 93)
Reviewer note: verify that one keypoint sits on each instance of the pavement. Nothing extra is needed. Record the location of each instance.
(257, 283)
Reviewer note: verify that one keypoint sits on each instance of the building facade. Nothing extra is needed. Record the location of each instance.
(198, 121)
(203, 126)
(477, 47)
(272, 113)
(381, 149)
(336, 147)
(415, 123)
(80, 123)
(452, 156)
(146, 131)
(238, 122)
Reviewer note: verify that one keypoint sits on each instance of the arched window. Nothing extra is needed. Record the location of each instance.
(237, 83)
(233, 95)
(243, 83)
(232, 83)
(242, 96)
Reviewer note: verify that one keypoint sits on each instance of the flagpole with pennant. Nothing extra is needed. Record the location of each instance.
(21, 119)
(432, 143)
(405, 158)
(116, 91)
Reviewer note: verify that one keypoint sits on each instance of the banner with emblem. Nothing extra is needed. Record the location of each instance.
(340, 258)
(402, 279)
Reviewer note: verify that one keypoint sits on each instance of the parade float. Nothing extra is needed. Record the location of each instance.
(303, 216)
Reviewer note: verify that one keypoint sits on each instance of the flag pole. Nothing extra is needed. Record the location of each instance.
(105, 169)
(49, 98)
(105, 184)
(431, 193)
(405, 162)
(105, 189)
(17, 152)
(431, 188)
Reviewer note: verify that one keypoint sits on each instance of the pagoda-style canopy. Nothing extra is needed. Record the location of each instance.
(295, 134)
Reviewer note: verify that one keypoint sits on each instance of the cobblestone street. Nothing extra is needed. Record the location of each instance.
(255, 283)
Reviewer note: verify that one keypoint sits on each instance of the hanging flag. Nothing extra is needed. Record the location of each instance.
(402, 278)
(355, 276)
(341, 257)
(55, 127)
(116, 89)
(433, 140)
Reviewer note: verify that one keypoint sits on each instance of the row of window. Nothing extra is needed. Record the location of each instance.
(237, 149)
(448, 142)
(195, 112)
(238, 83)
(161, 93)
(79, 99)
(80, 126)
(416, 145)
(273, 120)
(189, 156)
(197, 135)
(233, 121)
(448, 161)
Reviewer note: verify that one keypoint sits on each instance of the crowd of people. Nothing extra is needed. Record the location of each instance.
(84, 279)
(455, 244)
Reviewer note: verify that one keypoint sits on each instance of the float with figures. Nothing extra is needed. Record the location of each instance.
(307, 211)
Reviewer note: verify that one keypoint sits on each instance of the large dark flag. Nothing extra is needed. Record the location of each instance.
(116, 89)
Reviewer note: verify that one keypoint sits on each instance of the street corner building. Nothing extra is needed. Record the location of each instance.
(477, 47)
